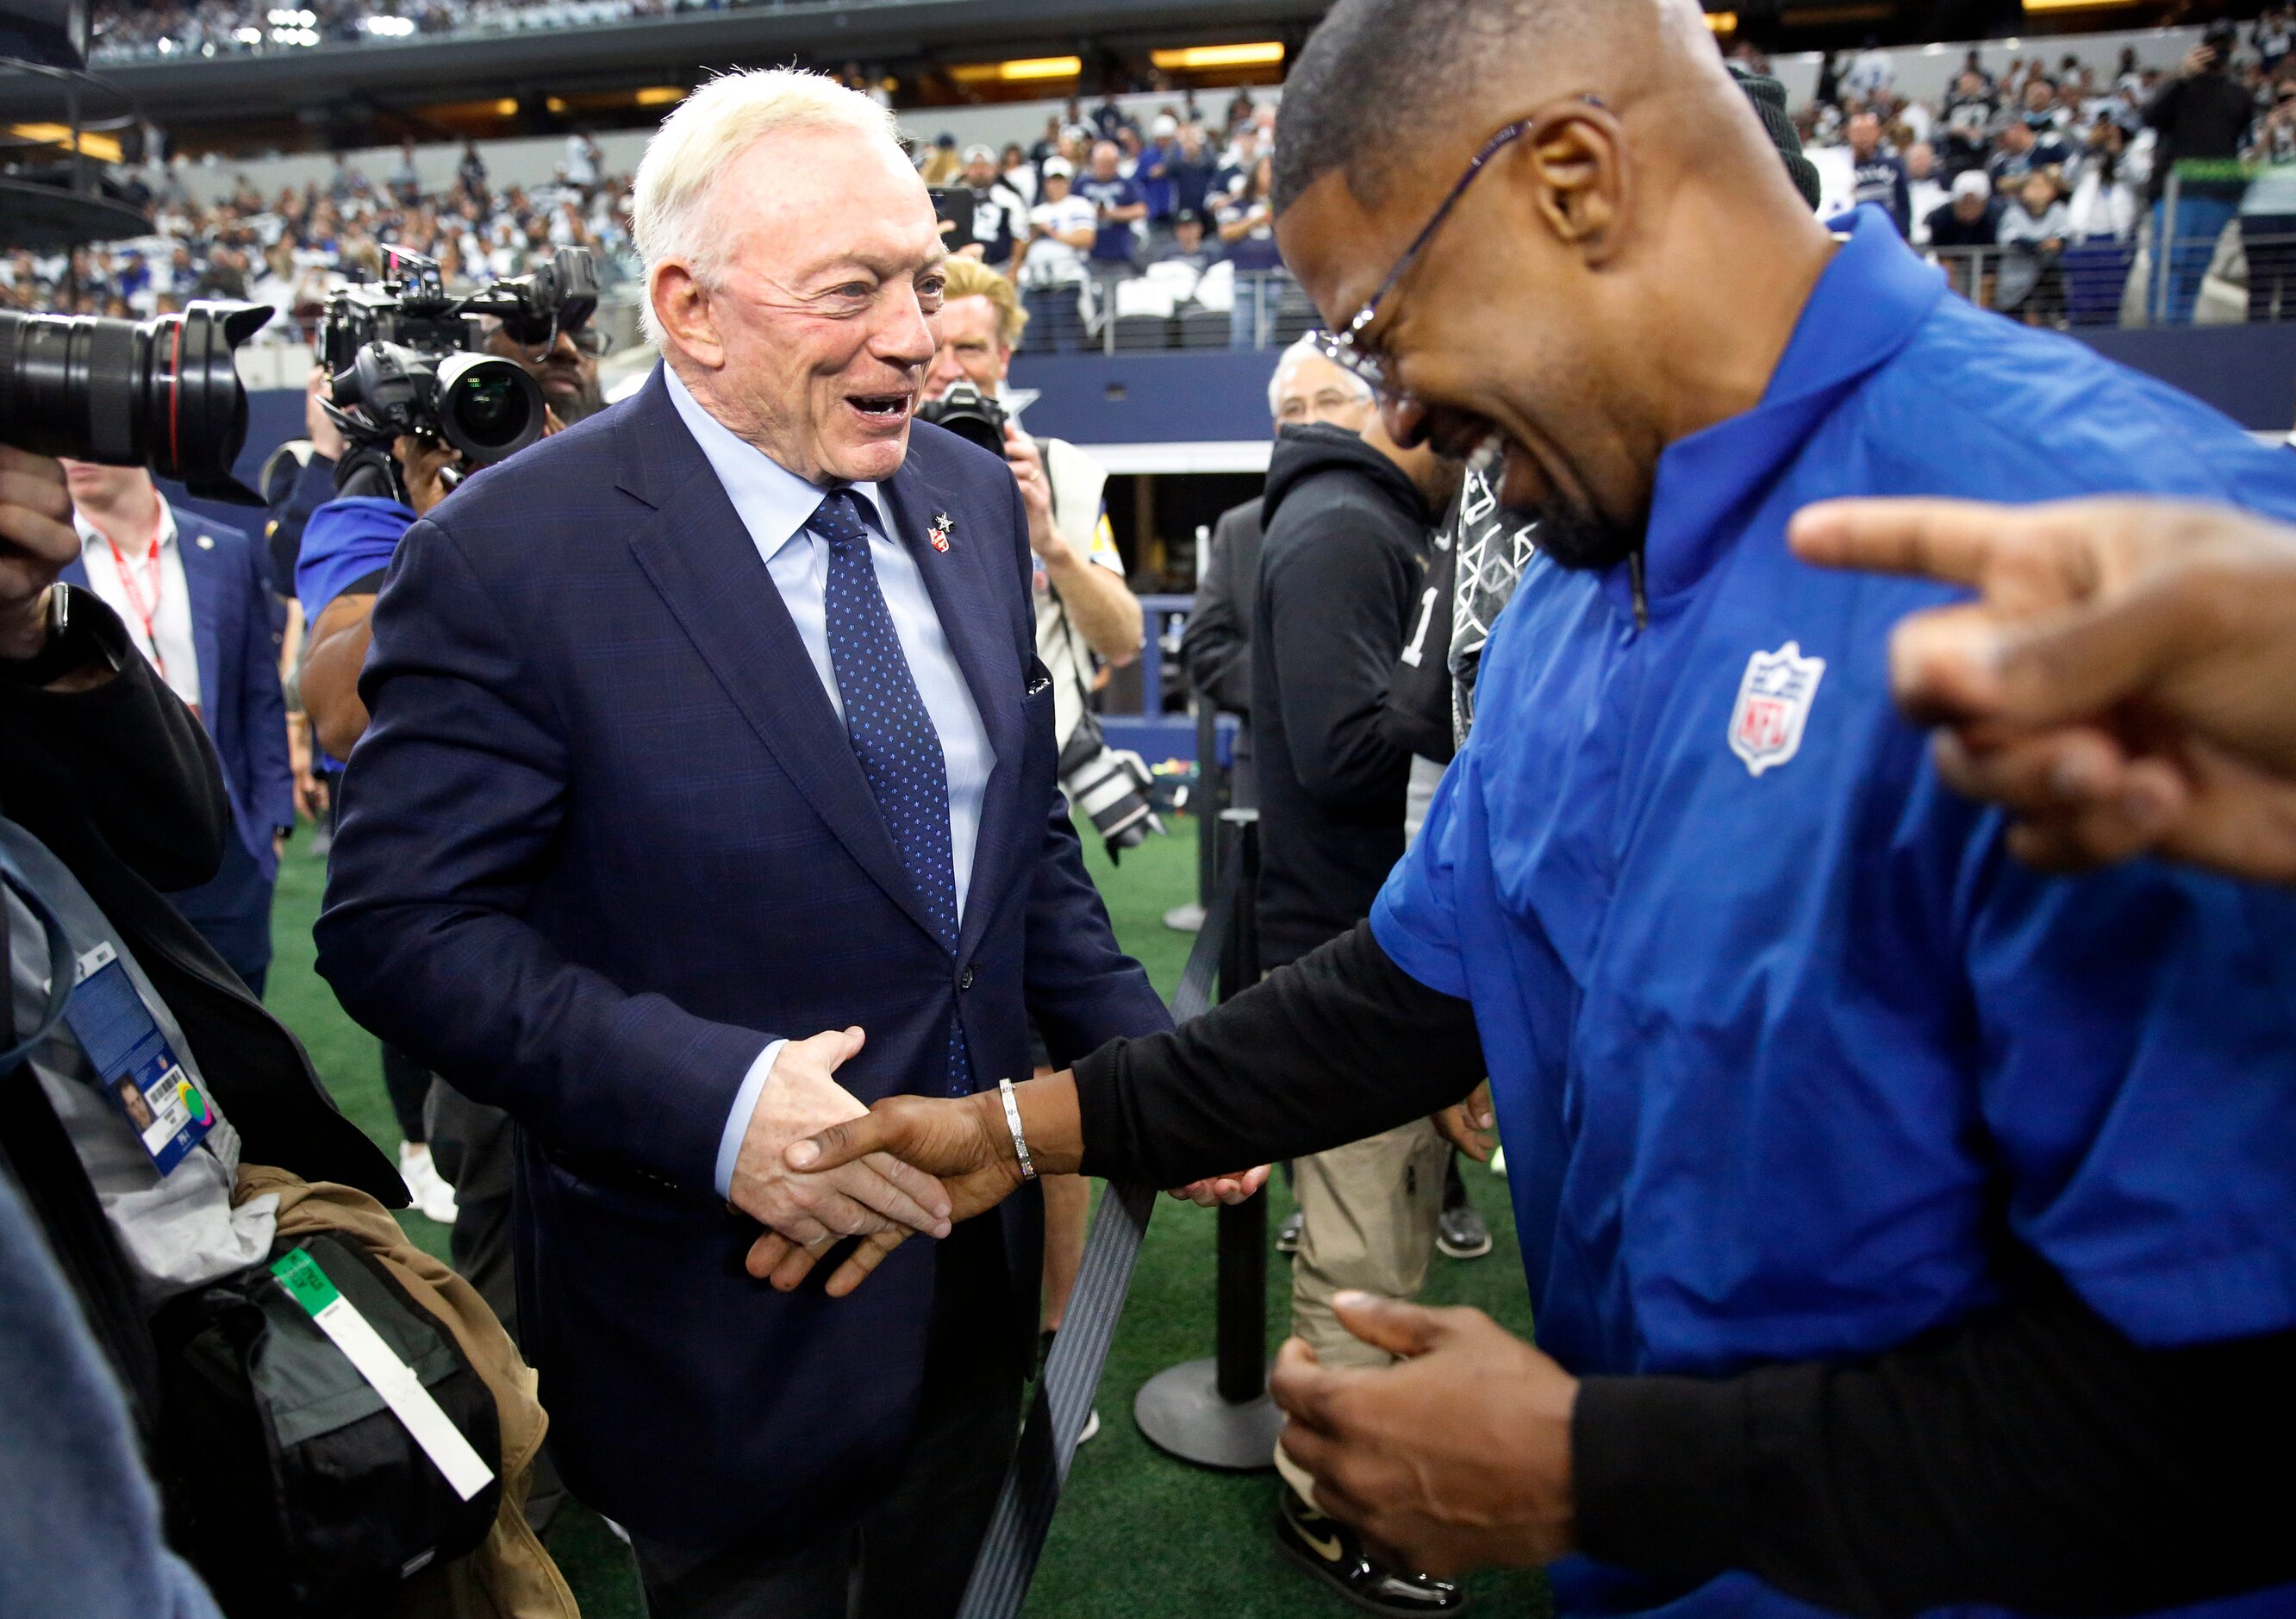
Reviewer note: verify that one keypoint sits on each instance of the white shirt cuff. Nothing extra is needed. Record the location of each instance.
(737, 1122)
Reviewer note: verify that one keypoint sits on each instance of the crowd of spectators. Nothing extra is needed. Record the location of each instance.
(1108, 214)
(1105, 214)
(131, 30)
(2038, 159)
(291, 249)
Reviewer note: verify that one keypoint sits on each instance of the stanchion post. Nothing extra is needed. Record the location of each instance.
(1243, 1242)
(1216, 1412)
(1212, 796)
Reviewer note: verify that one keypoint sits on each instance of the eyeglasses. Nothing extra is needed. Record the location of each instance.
(1346, 348)
(587, 340)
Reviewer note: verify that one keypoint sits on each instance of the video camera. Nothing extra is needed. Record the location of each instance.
(404, 355)
(161, 393)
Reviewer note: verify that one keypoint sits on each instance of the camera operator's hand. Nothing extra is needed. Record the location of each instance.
(1028, 464)
(36, 539)
(326, 437)
(424, 465)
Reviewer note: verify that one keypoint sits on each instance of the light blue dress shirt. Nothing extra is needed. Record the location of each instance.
(774, 504)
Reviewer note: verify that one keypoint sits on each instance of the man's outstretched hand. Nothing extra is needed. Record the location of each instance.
(809, 1213)
(2123, 681)
(1457, 1456)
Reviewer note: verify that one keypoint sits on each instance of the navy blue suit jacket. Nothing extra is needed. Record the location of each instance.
(235, 629)
(605, 836)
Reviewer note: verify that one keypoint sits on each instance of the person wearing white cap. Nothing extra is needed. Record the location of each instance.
(999, 216)
(1972, 218)
(1052, 263)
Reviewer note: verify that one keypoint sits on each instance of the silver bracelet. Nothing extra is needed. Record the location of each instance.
(1013, 1122)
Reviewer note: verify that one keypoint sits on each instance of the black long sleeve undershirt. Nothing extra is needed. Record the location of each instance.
(2032, 1456)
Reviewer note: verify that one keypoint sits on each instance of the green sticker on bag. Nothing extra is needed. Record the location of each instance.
(301, 1276)
(385, 1373)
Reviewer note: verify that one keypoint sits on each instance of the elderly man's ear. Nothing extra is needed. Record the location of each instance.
(681, 303)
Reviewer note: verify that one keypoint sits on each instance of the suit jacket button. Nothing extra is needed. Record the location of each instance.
(964, 979)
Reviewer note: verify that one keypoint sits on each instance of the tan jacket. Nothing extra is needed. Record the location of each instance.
(510, 1575)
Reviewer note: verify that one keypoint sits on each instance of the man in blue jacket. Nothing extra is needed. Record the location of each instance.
(1903, 1226)
(708, 794)
(197, 601)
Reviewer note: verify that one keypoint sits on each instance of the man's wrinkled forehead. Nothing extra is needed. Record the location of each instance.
(809, 198)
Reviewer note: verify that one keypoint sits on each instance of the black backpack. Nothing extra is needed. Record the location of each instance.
(296, 1491)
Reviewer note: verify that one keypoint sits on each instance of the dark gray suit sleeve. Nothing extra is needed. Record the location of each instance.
(1216, 647)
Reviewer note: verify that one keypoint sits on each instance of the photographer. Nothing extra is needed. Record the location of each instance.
(457, 1155)
(1084, 609)
(152, 1097)
(2201, 112)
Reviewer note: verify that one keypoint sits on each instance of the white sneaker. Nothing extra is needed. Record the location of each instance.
(432, 1198)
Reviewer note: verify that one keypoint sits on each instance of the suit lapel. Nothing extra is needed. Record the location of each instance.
(204, 592)
(700, 557)
(978, 626)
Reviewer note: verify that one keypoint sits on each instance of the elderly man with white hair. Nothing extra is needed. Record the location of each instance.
(709, 797)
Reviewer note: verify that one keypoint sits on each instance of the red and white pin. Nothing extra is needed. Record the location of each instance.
(939, 532)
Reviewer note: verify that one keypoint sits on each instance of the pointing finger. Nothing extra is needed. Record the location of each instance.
(1953, 541)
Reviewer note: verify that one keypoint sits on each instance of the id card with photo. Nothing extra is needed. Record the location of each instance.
(134, 1061)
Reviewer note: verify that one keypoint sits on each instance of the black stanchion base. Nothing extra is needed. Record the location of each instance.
(1181, 1411)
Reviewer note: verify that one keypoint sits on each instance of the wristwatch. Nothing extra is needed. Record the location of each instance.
(72, 644)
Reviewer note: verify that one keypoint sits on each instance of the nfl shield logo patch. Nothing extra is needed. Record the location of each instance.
(1772, 706)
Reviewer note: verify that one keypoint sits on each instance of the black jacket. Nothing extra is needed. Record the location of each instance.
(1342, 573)
(1216, 647)
(2200, 115)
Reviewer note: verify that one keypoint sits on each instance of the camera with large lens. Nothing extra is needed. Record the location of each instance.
(161, 393)
(969, 414)
(405, 355)
(1110, 785)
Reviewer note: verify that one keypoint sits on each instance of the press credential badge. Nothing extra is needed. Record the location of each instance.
(134, 1061)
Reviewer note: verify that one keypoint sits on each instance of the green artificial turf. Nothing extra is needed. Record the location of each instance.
(1139, 1535)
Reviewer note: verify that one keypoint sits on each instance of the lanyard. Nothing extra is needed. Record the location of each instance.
(148, 616)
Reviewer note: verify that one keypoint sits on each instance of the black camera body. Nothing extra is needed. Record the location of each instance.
(970, 415)
(406, 358)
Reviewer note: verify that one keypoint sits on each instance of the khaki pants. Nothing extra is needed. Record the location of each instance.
(1370, 1211)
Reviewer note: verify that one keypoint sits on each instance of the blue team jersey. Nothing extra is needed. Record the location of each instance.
(1784, 1044)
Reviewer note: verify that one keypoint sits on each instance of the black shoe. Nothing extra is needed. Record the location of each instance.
(1287, 1235)
(1329, 1549)
(1461, 1233)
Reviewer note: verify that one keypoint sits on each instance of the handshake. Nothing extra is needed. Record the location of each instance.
(817, 1168)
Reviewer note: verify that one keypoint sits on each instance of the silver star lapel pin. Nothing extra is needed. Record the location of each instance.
(939, 531)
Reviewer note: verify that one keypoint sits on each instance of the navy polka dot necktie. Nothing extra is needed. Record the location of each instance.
(891, 730)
